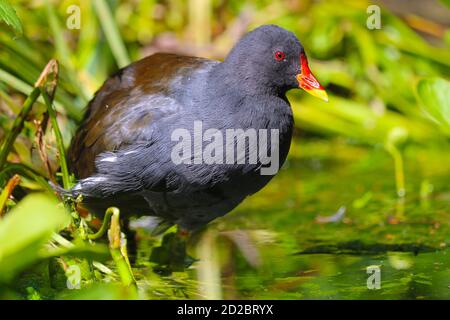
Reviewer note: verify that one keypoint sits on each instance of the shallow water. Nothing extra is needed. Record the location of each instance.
(281, 244)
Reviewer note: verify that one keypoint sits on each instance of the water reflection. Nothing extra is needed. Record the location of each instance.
(294, 240)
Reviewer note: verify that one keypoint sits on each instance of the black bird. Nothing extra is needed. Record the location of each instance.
(123, 152)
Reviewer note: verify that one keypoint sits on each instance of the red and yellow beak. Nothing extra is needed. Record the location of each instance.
(308, 82)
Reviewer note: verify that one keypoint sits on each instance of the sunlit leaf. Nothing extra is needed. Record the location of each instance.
(434, 95)
(9, 16)
(98, 252)
(25, 230)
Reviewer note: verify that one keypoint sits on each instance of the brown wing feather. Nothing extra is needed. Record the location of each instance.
(100, 130)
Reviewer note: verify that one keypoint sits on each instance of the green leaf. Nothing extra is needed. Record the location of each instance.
(434, 95)
(25, 230)
(9, 16)
(97, 252)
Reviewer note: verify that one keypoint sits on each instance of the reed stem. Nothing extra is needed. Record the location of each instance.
(118, 253)
(59, 140)
(103, 228)
(17, 127)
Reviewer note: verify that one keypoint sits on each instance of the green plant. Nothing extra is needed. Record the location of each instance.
(434, 96)
(9, 16)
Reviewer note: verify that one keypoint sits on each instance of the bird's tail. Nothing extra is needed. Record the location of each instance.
(61, 191)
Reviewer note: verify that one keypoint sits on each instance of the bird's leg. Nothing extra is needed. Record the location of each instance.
(171, 255)
(131, 239)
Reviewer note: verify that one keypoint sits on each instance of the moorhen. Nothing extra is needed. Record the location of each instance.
(126, 152)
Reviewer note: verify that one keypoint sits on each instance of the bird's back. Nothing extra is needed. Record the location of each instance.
(124, 108)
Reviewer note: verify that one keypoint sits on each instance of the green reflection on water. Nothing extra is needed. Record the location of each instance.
(277, 246)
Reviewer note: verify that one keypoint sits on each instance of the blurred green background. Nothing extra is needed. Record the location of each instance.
(366, 182)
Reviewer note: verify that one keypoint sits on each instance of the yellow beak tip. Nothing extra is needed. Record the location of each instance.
(319, 93)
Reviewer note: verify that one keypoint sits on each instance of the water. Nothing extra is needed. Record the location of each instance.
(279, 245)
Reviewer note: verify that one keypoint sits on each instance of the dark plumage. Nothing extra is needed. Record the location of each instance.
(122, 150)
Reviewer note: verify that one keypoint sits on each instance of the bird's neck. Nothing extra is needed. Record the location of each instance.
(247, 102)
(232, 76)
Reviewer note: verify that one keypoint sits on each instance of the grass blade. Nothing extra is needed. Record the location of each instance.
(112, 34)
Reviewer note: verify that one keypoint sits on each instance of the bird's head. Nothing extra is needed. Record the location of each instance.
(272, 57)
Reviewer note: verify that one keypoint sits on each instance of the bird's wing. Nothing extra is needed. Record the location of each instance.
(123, 110)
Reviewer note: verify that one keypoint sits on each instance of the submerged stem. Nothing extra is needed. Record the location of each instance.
(399, 172)
(397, 138)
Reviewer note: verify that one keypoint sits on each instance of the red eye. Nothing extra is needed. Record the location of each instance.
(279, 55)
